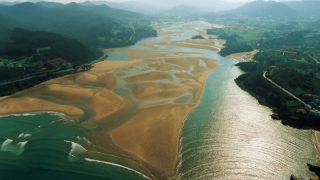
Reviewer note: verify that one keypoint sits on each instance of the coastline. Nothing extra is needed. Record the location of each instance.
(151, 135)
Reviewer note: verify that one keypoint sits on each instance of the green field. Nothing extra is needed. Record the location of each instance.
(23, 60)
(44, 48)
(293, 104)
(250, 34)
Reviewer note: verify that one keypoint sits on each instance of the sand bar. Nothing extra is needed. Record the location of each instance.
(161, 90)
(151, 76)
(28, 104)
(140, 54)
(103, 102)
(153, 134)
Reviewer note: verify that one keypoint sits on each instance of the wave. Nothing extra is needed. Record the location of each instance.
(34, 113)
(75, 152)
(9, 146)
(23, 135)
(117, 165)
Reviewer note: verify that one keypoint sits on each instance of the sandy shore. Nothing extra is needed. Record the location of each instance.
(28, 104)
(245, 55)
(153, 135)
(103, 102)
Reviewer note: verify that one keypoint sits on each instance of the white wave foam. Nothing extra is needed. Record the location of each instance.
(85, 141)
(76, 150)
(22, 135)
(118, 165)
(9, 146)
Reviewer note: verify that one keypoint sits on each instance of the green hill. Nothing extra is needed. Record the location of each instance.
(40, 46)
(99, 26)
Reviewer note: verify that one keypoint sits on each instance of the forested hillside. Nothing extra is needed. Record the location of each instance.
(43, 46)
(98, 26)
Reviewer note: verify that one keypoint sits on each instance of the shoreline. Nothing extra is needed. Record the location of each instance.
(151, 135)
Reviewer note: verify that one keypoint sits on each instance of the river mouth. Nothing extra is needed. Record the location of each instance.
(227, 135)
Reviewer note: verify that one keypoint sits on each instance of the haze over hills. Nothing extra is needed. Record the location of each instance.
(265, 9)
(133, 6)
(99, 26)
(310, 8)
(182, 11)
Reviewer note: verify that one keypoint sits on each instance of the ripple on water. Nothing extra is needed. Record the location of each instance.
(230, 136)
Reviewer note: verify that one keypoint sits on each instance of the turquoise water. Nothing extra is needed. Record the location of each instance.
(227, 136)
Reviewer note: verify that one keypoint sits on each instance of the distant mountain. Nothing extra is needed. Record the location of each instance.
(204, 5)
(183, 8)
(6, 26)
(182, 11)
(50, 4)
(99, 26)
(132, 6)
(310, 8)
(266, 9)
(8, 3)
(87, 3)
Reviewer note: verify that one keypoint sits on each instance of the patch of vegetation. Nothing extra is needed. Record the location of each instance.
(198, 37)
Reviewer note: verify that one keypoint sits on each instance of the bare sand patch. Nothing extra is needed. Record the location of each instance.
(197, 44)
(162, 66)
(210, 63)
(317, 136)
(110, 65)
(121, 74)
(205, 35)
(198, 70)
(151, 46)
(161, 90)
(196, 90)
(151, 76)
(152, 134)
(28, 104)
(184, 61)
(185, 75)
(103, 102)
(113, 49)
(104, 79)
(168, 38)
(237, 56)
(140, 54)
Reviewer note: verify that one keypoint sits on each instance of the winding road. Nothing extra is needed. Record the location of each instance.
(307, 105)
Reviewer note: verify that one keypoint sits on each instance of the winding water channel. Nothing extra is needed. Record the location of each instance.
(227, 136)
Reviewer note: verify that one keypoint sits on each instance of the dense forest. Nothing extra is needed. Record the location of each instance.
(235, 43)
(44, 46)
(297, 78)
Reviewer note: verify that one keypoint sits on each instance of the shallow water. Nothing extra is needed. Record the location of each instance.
(227, 136)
